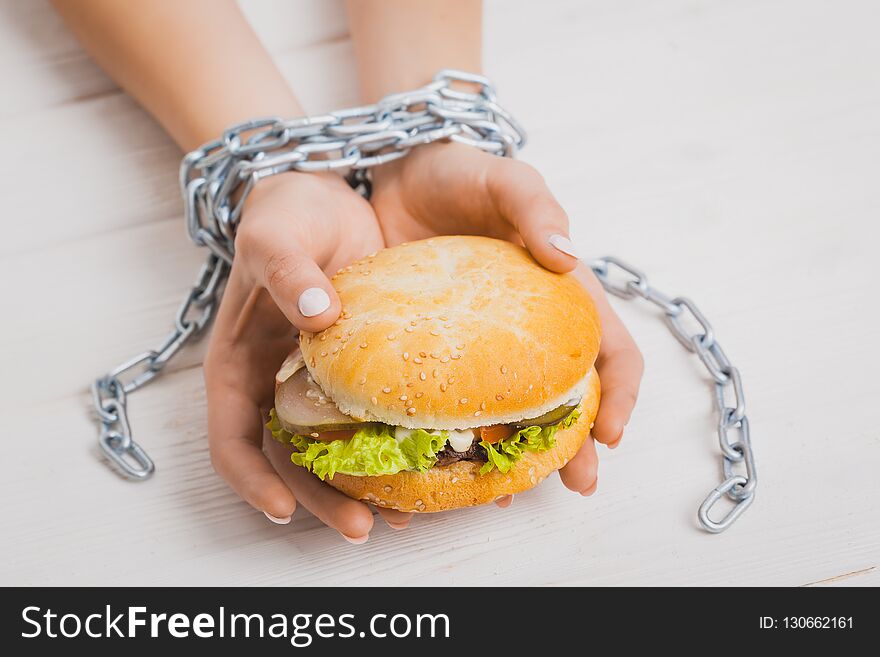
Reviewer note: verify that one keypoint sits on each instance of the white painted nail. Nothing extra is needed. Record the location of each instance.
(313, 301)
(355, 541)
(277, 520)
(562, 243)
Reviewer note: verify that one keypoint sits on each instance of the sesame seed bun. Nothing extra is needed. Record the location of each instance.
(460, 484)
(453, 333)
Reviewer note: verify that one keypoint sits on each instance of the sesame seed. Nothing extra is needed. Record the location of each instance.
(453, 480)
(483, 406)
(409, 329)
(363, 380)
(391, 337)
(443, 318)
(313, 361)
(456, 356)
(459, 346)
(386, 390)
(411, 411)
(323, 353)
(442, 387)
(412, 323)
(322, 338)
(447, 326)
(409, 385)
(338, 271)
(463, 400)
(403, 398)
(419, 395)
(417, 360)
(423, 354)
(504, 369)
(434, 373)
(419, 503)
(363, 345)
(314, 434)
(387, 489)
(368, 322)
(434, 332)
(422, 376)
(334, 350)
(445, 359)
(478, 413)
(450, 380)
(428, 317)
(405, 355)
(499, 397)
(373, 255)
(351, 331)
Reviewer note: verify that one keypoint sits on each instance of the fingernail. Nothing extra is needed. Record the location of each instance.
(562, 243)
(277, 520)
(397, 525)
(592, 489)
(356, 541)
(313, 301)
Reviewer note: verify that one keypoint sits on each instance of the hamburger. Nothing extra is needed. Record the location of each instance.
(459, 371)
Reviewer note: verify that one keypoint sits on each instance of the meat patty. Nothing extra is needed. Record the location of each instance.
(474, 453)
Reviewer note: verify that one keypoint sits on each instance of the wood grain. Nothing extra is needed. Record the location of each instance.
(729, 149)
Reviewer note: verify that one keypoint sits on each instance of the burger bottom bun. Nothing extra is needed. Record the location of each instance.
(460, 484)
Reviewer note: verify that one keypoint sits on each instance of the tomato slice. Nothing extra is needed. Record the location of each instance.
(330, 436)
(495, 433)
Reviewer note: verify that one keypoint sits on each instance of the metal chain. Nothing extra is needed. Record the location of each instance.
(216, 178)
(630, 283)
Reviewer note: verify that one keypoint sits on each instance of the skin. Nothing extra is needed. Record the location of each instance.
(297, 228)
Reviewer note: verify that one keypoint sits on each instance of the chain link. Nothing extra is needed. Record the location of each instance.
(216, 178)
(628, 282)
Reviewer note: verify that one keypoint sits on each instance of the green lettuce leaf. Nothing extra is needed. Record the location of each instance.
(505, 453)
(372, 451)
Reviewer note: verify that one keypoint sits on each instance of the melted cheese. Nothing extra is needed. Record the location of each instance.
(460, 441)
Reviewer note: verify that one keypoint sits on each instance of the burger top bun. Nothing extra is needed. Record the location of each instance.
(454, 332)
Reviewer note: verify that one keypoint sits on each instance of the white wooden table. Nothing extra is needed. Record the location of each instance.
(729, 149)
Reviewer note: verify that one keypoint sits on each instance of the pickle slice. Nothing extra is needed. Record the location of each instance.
(550, 418)
(303, 408)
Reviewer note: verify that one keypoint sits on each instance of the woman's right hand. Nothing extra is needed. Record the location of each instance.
(295, 227)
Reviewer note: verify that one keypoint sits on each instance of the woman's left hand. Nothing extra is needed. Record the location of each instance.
(454, 189)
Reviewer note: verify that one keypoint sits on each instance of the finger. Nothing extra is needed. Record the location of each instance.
(581, 472)
(504, 502)
(352, 519)
(235, 430)
(277, 261)
(620, 366)
(302, 291)
(395, 519)
(523, 199)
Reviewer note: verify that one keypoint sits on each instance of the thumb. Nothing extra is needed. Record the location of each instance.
(301, 290)
(522, 199)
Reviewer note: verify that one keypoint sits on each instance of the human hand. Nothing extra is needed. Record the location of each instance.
(294, 228)
(448, 189)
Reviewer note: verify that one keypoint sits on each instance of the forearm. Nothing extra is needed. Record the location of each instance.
(400, 44)
(195, 77)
